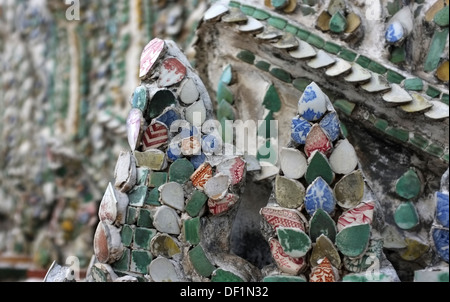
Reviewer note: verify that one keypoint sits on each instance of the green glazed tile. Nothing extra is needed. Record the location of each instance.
(294, 242)
(406, 216)
(272, 100)
(394, 77)
(303, 34)
(123, 264)
(201, 263)
(345, 106)
(225, 111)
(246, 56)
(444, 98)
(132, 214)
(142, 238)
(192, 230)
(137, 196)
(227, 75)
(441, 18)
(433, 92)
(394, 6)
(224, 93)
(291, 29)
(435, 150)
(196, 203)
(221, 275)
(159, 102)
(145, 218)
(263, 65)
(363, 277)
(315, 40)
(436, 48)
(363, 61)
(126, 235)
(234, 4)
(408, 185)
(348, 55)
(284, 278)
(338, 23)
(157, 179)
(301, 83)
(445, 157)
(381, 124)
(181, 170)
(398, 133)
(332, 48)
(413, 84)
(353, 240)
(419, 141)
(344, 130)
(260, 14)
(281, 74)
(377, 67)
(140, 98)
(142, 176)
(318, 165)
(398, 55)
(248, 10)
(153, 197)
(322, 223)
(277, 22)
(140, 260)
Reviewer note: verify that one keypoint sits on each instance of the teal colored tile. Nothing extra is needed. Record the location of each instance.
(221, 275)
(433, 92)
(196, 203)
(444, 98)
(394, 77)
(246, 56)
(345, 106)
(281, 74)
(413, 84)
(398, 54)
(315, 41)
(263, 65)
(234, 4)
(157, 179)
(192, 230)
(145, 218)
(260, 14)
(132, 214)
(338, 23)
(123, 264)
(277, 22)
(247, 9)
(140, 260)
(153, 197)
(381, 124)
(445, 157)
(435, 150)
(441, 18)
(143, 237)
(127, 234)
(291, 29)
(303, 34)
(332, 48)
(137, 195)
(363, 61)
(200, 262)
(377, 67)
(408, 185)
(398, 133)
(272, 100)
(348, 55)
(418, 141)
(227, 75)
(224, 93)
(436, 49)
(301, 83)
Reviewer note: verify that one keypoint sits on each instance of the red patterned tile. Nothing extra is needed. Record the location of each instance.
(156, 135)
(285, 263)
(317, 140)
(277, 217)
(217, 207)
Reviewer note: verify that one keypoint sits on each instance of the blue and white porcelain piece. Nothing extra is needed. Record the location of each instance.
(394, 32)
(313, 103)
(299, 129)
(188, 132)
(330, 125)
(442, 213)
(197, 160)
(319, 195)
(211, 144)
(440, 238)
(174, 151)
(168, 117)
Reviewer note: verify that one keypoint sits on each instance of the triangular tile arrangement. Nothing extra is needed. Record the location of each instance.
(334, 215)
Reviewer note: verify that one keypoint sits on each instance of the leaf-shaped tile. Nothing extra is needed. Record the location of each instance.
(135, 124)
(151, 53)
(289, 193)
(349, 190)
(323, 272)
(317, 140)
(284, 262)
(353, 240)
(293, 163)
(319, 196)
(321, 223)
(295, 242)
(299, 129)
(324, 248)
(362, 213)
(318, 165)
(313, 103)
(343, 159)
(171, 72)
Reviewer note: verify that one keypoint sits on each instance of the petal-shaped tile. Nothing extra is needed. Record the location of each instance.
(165, 246)
(299, 129)
(322, 59)
(312, 105)
(343, 159)
(317, 140)
(418, 104)
(353, 240)
(362, 213)
(371, 258)
(234, 168)
(438, 111)
(171, 72)
(201, 175)
(284, 262)
(319, 196)
(139, 99)
(216, 187)
(156, 135)
(108, 246)
(287, 41)
(113, 206)
(160, 101)
(151, 53)
(270, 33)
(289, 193)
(252, 25)
(135, 124)
(394, 32)
(293, 163)
(397, 95)
(323, 272)
(277, 216)
(217, 207)
(168, 116)
(304, 51)
(125, 172)
(324, 248)
(188, 92)
(166, 220)
(271, 99)
(321, 223)
(377, 83)
(196, 113)
(415, 248)
(235, 15)
(358, 74)
(341, 66)
(163, 270)
(227, 75)
(318, 165)
(440, 239)
(349, 190)
(406, 216)
(408, 185)
(442, 201)
(295, 242)
(215, 11)
(172, 194)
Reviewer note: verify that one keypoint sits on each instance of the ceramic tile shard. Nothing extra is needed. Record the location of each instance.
(125, 172)
(277, 216)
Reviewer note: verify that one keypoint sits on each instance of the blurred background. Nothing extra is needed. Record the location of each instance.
(68, 70)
